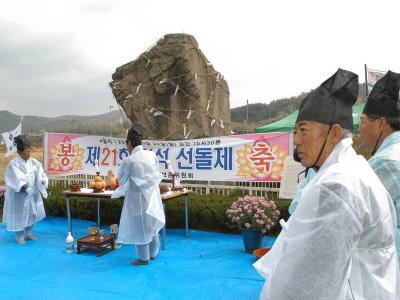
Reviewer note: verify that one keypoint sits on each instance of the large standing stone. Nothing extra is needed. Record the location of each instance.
(173, 91)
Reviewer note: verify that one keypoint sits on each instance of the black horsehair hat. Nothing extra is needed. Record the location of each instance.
(22, 142)
(331, 102)
(383, 101)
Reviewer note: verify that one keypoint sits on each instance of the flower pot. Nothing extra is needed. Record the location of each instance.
(252, 239)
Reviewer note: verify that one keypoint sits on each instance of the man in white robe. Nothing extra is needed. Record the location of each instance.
(26, 185)
(380, 130)
(142, 214)
(340, 241)
(295, 201)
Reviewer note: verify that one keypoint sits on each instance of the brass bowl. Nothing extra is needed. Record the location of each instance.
(93, 232)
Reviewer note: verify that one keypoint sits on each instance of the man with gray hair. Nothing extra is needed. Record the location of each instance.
(340, 241)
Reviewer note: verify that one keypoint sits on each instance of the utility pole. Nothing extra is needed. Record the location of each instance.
(247, 117)
(366, 80)
(111, 120)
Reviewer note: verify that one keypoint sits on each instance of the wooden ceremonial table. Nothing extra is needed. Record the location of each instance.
(100, 245)
(170, 196)
(88, 193)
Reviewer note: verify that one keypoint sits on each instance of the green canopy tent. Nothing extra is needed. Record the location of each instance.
(357, 112)
(284, 125)
(287, 124)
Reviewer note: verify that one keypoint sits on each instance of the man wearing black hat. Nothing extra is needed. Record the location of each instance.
(339, 242)
(380, 130)
(142, 215)
(26, 185)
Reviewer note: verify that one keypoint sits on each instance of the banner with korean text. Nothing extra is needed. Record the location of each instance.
(247, 157)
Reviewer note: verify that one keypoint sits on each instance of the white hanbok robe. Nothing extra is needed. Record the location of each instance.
(386, 164)
(297, 197)
(22, 210)
(340, 241)
(142, 215)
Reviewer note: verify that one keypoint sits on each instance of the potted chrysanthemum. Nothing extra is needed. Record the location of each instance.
(254, 216)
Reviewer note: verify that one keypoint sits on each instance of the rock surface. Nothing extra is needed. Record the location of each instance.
(173, 91)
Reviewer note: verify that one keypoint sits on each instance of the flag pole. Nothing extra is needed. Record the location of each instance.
(247, 116)
(366, 80)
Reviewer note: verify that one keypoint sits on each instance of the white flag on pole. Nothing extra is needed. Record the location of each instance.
(373, 76)
(8, 138)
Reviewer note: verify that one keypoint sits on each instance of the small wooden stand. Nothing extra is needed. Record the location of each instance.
(100, 246)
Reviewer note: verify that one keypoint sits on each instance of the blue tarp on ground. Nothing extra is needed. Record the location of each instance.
(204, 266)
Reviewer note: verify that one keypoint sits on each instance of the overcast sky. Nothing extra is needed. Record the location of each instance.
(57, 57)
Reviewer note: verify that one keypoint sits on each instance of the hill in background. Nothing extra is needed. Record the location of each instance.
(263, 114)
(105, 124)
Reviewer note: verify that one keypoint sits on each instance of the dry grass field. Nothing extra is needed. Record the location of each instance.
(37, 152)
